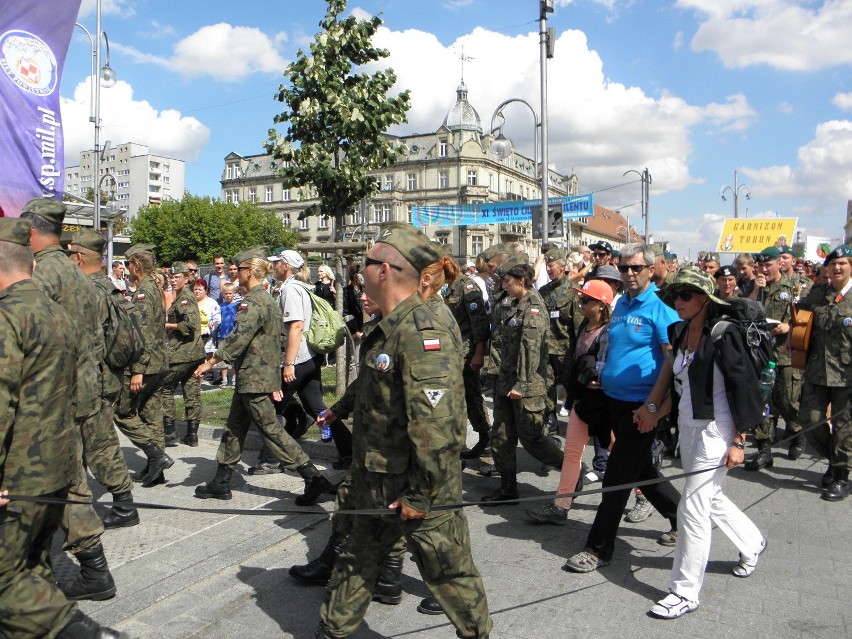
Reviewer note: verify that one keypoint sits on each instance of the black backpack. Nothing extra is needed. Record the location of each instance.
(122, 335)
(749, 318)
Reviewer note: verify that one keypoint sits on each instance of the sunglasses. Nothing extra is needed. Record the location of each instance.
(585, 299)
(633, 268)
(369, 261)
(685, 295)
(600, 254)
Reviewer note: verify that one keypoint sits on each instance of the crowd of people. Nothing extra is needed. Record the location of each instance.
(620, 342)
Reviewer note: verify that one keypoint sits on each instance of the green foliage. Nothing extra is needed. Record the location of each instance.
(201, 227)
(337, 114)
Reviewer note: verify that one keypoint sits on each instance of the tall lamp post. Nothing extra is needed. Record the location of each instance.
(645, 178)
(735, 189)
(101, 76)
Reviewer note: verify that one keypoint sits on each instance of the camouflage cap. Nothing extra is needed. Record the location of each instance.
(490, 252)
(255, 252)
(767, 255)
(711, 257)
(89, 239)
(607, 272)
(509, 262)
(445, 250)
(554, 254)
(844, 250)
(412, 244)
(690, 277)
(15, 230)
(179, 268)
(136, 249)
(702, 255)
(725, 271)
(46, 207)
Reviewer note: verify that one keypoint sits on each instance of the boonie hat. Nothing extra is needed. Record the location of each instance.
(607, 272)
(597, 289)
(47, 208)
(691, 277)
(412, 244)
(89, 239)
(15, 230)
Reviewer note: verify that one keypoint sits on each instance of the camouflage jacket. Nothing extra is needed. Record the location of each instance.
(830, 350)
(68, 286)
(523, 365)
(343, 407)
(41, 449)
(464, 299)
(148, 305)
(112, 378)
(563, 309)
(776, 299)
(503, 307)
(409, 414)
(253, 348)
(184, 342)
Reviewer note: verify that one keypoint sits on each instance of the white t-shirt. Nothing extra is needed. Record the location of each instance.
(295, 304)
(721, 409)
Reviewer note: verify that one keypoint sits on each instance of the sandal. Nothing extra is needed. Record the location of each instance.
(746, 567)
(672, 607)
(584, 562)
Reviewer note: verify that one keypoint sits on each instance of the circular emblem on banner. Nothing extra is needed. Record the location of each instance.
(28, 62)
(427, 215)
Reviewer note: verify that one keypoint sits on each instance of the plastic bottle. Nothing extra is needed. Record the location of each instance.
(325, 428)
(767, 381)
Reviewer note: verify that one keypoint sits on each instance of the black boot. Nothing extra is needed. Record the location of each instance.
(318, 571)
(191, 437)
(763, 458)
(430, 606)
(323, 633)
(82, 627)
(170, 432)
(389, 587)
(827, 478)
(508, 490)
(838, 489)
(315, 484)
(122, 514)
(158, 461)
(219, 488)
(797, 447)
(94, 581)
(478, 448)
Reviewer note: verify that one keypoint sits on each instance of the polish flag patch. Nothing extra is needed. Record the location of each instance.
(184, 302)
(140, 297)
(535, 311)
(431, 344)
(243, 306)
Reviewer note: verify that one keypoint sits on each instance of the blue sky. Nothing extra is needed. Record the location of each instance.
(692, 89)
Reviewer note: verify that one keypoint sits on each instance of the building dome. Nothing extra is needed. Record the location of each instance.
(463, 117)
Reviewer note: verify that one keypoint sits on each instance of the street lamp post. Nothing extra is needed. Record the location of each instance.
(735, 189)
(645, 178)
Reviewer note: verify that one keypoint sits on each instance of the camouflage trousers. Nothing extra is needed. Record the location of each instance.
(80, 523)
(835, 442)
(440, 547)
(521, 419)
(31, 605)
(182, 375)
(102, 450)
(473, 400)
(140, 415)
(258, 408)
(341, 525)
(559, 370)
(783, 402)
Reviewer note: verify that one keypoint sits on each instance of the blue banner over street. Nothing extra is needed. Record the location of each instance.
(34, 37)
(574, 207)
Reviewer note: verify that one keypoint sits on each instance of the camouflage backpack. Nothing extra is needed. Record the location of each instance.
(122, 335)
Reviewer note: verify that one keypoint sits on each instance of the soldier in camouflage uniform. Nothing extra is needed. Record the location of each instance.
(775, 292)
(69, 287)
(560, 302)
(786, 264)
(828, 373)
(186, 353)
(140, 408)
(253, 348)
(519, 393)
(408, 431)
(101, 447)
(41, 451)
(726, 282)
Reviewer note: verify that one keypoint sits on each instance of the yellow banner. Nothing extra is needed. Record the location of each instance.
(741, 235)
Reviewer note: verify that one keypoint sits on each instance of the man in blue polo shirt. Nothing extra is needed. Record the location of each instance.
(635, 380)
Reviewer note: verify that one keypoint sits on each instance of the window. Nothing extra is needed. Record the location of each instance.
(410, 213)
(285, 195)
(285, 218)
(388, 183)
(253, 195)
(471, 177)
(166, 180)
(443, 148)
(383, 212)
(268, 194)
(412, 181)
(303, 224)
(355, 218)
(235, 196)
(228, 196)
(323, 222)
(443, 179)
(123, 185)
(476, 244)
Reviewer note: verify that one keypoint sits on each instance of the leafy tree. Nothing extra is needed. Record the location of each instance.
(201, 227)
(337, 114)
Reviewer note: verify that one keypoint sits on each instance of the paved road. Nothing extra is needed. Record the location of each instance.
(190, 574)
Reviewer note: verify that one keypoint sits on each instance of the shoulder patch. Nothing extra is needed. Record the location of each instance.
(433, 344)
(535, 311)
(471, 287)
(423, 319)
(243, 306)
(184, 302)
(140, 296)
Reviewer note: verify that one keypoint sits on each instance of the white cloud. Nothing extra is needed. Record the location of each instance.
(786, 34)
(843, 101)
(124, 119)
(123, 8)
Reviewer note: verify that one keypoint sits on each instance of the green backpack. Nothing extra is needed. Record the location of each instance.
(327, 330)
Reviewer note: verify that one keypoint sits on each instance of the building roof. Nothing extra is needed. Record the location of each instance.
(463, 117)
(611, 225)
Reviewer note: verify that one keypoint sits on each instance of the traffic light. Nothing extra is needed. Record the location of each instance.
(555, 223)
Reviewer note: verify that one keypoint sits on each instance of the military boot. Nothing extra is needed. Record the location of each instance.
(122, 514)
(797, 447)
(191, 437)
(219, 488)
(827, 478)
(158, 461)
(838, 489)
(763, 458)
(478, 448)
(94, 581)
(315, 485)
(170, 432)
(318, 571)
(508, 490)
(82, 627)
(389, 587)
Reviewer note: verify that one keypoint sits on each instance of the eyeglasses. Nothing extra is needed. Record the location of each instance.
(633, 268)
(369, 261)
(192, 270)
(600, 254)
(685, 295)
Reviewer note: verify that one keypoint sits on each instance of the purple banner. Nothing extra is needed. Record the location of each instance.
(34, 37)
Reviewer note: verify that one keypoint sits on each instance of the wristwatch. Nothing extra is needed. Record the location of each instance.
(652, 408)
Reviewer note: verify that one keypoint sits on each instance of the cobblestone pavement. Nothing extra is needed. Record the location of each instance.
(191, 574)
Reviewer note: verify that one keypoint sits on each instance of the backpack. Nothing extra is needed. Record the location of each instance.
(327, 331)
(122, 335)
(749, 318)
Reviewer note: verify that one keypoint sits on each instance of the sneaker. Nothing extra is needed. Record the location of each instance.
(672, 607)
(265, 468)
(668, 538)
(641, 510)
(593, 476)
(584, 562)
(548, 514)
(745, 567)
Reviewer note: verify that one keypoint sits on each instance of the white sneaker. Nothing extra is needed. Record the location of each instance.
(672, 607)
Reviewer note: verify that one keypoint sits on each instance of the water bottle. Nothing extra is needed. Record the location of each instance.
(767, 381)
(325, 428)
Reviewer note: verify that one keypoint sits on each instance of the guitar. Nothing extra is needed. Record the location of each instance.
(800, 331)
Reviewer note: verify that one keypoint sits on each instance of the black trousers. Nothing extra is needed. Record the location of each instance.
(629, 461)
